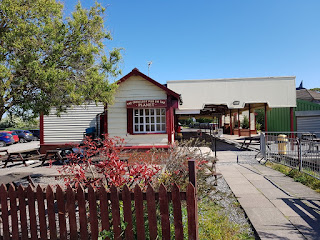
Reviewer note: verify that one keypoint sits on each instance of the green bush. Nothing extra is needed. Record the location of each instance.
(245, 123)
(301, 177)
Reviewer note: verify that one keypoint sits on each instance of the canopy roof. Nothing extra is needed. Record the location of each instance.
(217, 95)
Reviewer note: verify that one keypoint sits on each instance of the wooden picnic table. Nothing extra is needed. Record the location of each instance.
(246, 144)
(57, 154)
(23, 156)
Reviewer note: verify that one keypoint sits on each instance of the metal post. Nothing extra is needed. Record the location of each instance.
(249, 120)
(299, 154)
(215, 145)
(192, 172)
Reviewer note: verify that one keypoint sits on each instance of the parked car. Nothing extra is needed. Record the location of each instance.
(5, 139)
(24, 135)
(14, 135)
(36, 134)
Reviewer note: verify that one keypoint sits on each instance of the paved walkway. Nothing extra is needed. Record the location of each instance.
(277, 207)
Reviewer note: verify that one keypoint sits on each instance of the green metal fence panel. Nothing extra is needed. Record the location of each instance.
(279, 118)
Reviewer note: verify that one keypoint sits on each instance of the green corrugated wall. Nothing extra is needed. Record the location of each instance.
(279, 118)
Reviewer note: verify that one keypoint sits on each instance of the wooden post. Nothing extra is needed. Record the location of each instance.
(239, 133)
(249, 120)
(265, 118)
(231, 123)
(192, 172)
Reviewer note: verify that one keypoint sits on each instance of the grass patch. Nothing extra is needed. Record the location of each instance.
(215, 224)
(301, 177)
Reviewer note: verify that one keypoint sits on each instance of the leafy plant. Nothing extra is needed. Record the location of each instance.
(49, 61)
(109, 169)
(245, 122)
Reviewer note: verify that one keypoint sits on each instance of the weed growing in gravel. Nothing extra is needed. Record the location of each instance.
(215, 224)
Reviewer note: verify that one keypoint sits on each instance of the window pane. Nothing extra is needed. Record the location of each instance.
(158, 111)
(152, 128)
(147, 119)
(136, 128)
(152, 111)
(141, 119)
(152, 119)
(136, 112)
(158, 127)
(148, 128)
(147, 111)
(141, 128)
(158, 120)
(163, 128)
(163, 111)
(136, 120)
(141, 112)
(163, 119)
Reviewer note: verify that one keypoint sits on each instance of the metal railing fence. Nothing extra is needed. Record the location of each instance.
(299, 150)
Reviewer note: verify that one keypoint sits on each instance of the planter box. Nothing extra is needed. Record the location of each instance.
(243, 132)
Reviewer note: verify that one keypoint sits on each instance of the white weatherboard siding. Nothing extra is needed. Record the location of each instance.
(276, 91)
(70, 126)
(134, 88)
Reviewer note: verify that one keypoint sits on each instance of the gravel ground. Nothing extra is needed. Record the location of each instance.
(231, 207)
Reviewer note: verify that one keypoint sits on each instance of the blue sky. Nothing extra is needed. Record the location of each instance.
(216, 39)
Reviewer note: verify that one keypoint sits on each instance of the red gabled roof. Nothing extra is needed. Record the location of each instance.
(136, 72)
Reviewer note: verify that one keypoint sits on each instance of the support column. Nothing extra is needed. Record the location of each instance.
(265, 118)
(291, 122)
(231, 131)
(239, 133)
(249, 120)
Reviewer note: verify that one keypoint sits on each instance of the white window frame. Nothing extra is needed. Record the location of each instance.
(148, 122)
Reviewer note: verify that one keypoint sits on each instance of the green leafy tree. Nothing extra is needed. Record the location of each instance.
(245, 123)
(49, 61)
(315, 89)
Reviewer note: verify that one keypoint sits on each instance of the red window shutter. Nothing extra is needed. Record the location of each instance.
(130, 120)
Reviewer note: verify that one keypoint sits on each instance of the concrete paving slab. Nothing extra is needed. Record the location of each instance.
(274, 193)
(239, 189)
(262, 183)
(284, 208)
(268, 219)
(280, 234)
(309, 228)
(254, 201)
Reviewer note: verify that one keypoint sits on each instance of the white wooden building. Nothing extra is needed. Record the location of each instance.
(142, 114)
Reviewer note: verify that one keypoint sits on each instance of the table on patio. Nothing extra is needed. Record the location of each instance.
(252, 140)
(23, 156)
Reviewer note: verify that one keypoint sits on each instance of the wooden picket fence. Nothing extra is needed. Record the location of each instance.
(29, 213)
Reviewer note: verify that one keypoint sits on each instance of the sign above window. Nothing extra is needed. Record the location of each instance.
(147, 103)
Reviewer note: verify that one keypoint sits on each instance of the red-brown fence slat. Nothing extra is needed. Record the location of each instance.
(4, 212)
(23, 213)
(72, 213)
(164, 212)
(61, 213)
(138, 203)
(177, 215)
(152, 216)
(32, 213)
(104, 209)
(192, 212)
(41, 213)
(13, 210)
(51, 213)
(127, 212)
(93, 213)
(115, 212)
(82, 213)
